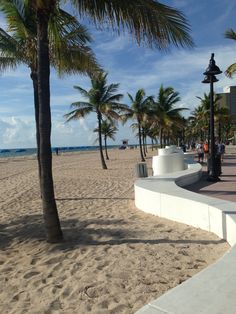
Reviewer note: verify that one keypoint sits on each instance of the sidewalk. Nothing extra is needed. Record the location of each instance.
(224, 189)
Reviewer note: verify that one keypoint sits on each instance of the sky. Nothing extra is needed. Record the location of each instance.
(131, 66)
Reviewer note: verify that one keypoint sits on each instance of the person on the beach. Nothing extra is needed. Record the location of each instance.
(183, 147)
(206, 150)
(200, 151)
(221, 149)
(193, 146)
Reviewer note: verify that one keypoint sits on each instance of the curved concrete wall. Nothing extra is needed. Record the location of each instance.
(212, 290)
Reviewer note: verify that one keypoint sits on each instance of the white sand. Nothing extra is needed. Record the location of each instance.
(114, 259)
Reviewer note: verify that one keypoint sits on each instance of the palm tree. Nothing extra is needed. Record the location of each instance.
(68, 50)
(108, 130)
(231, 70)
(202, 114)
(102, 100)
(68, 53)
(152, 23)
(164, 114)
(139, 112)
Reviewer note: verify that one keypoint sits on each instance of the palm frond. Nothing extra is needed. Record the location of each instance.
(150, 22)
(81, 105)
(230, 34)
(231, 70)
(77, 114)
(82, 91)
(8, 63)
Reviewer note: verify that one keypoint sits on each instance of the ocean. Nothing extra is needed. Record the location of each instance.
(16, 152)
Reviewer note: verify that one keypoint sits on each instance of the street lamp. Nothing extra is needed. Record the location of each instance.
(210, 73)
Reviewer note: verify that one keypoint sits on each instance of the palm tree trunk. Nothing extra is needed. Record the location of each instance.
(144, 153)
(164, 139)
(146, 149)
(51, 218)
(140, 141)
(34, 78)
(160, 135)
(208, 133)
(99, 116)
(105, 142)
(219, 131)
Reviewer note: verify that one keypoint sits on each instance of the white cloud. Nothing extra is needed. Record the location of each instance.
(114, 45)
(17, 132)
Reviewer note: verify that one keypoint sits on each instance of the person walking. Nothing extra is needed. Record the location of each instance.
(200, 152)
(221, 149)
(206, 150)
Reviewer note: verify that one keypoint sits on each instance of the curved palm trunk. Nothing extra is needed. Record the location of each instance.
(105, 142)
(34, 78)
(99, 116)
(140, 141)
(51, 219)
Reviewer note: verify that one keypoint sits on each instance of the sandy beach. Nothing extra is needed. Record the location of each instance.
(114, 258)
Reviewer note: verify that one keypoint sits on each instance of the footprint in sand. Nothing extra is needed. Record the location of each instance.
(19, 295)
(7, 269)
(34, 260)
(183, 252)
(54, 260)
(200, 261)
(103, 265)
(31, 274)
(178, 267)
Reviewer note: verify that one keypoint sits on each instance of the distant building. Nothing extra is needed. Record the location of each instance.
(228, 99)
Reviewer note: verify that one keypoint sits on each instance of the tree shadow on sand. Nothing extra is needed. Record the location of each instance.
(82, 233)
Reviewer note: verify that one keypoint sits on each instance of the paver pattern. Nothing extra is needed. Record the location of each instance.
(223, 189)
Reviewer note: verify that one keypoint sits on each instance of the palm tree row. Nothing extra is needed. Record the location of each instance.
(151, 116)
(198, 123)
(32, 41)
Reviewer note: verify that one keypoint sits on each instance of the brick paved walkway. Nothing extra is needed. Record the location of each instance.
(224, 189)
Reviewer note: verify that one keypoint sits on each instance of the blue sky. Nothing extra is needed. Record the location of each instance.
(133, 67)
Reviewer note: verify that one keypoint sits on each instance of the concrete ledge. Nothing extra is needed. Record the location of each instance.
(212, 290)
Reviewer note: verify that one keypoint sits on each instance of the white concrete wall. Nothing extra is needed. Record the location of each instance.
(212, 290)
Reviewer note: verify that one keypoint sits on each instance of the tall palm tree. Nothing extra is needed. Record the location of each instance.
(68, 50)
(108, 130)
(202, 114)
(102, 100)
(163, 111)
(151, 22)
(68, 53)
(231, 70)
(139, 112)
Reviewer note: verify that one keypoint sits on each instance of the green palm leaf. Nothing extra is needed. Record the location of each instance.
(150, 22)
(231, 70)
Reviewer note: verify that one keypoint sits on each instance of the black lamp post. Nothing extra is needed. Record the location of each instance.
(210, 73)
